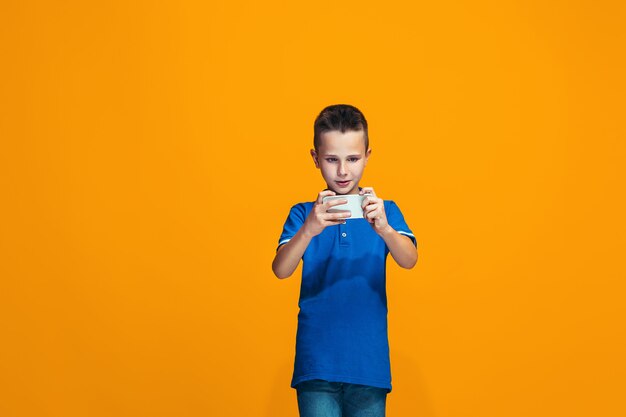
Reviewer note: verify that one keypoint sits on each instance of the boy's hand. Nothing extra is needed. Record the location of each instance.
(374, 210)
(319, 218)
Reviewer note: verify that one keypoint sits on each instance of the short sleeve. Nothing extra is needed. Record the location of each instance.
(295, 220)
(396, 220)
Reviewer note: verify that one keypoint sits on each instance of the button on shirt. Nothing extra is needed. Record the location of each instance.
(342, 323)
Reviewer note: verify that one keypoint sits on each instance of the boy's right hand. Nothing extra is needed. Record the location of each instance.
(319, 218)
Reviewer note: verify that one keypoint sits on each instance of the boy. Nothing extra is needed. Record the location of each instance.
(342, 364)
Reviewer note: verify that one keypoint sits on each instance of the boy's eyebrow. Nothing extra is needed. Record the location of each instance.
(349, 156)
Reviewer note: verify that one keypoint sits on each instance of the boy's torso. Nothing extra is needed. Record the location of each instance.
(342, 324)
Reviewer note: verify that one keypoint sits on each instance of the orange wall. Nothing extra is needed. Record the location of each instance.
(151, 152)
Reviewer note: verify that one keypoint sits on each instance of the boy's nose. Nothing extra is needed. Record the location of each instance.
(341, 169)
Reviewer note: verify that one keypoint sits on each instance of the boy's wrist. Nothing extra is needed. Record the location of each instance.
(306, 234)
(386, 231)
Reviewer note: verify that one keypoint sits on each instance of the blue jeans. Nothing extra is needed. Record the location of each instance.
(318, 398)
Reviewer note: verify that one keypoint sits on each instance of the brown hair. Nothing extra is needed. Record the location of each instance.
(341, 117)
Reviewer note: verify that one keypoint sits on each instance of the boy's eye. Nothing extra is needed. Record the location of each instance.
(335, 159)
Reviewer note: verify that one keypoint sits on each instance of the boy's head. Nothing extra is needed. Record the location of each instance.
(341, 147)
(340, 117)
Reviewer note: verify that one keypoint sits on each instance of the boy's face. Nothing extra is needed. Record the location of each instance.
(342, 158)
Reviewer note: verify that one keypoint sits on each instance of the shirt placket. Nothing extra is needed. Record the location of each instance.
(345, 236)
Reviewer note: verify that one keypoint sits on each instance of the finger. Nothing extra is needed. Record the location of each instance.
(335, 202)
(333, 222)
(370, 200)
(375, 214)
(372, 214)
(370, 208)
(344, 214)
(367, 190)
(322, 194)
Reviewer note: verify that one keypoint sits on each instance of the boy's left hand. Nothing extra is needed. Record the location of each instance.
(374, 209)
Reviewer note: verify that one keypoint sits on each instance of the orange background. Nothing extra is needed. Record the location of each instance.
(151, 152)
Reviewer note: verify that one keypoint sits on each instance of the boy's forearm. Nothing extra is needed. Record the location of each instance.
(289, 255)
(401, 247)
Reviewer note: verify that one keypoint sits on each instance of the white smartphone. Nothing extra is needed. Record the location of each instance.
(353, 204)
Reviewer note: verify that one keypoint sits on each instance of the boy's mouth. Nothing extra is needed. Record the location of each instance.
(342, 183)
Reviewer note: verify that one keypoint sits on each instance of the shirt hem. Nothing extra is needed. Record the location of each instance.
(341, 378)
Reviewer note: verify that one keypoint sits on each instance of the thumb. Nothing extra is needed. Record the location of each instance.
(321, 195)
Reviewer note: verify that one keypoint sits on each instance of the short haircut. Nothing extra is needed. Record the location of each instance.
(340, 117)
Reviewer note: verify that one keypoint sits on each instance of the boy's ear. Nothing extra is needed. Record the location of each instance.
(314, 155)
(367, 155)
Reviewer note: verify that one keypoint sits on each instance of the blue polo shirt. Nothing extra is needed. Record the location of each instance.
(342, 323)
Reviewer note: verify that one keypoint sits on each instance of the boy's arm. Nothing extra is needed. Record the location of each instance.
(402, 249)
(289, 254)
(400, 246)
